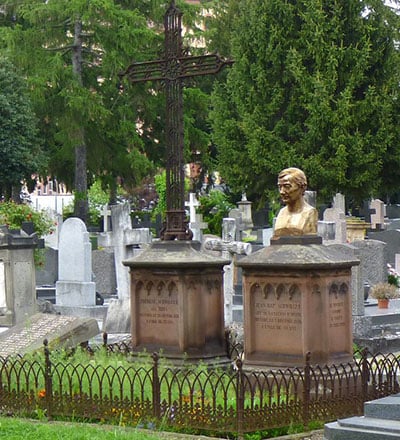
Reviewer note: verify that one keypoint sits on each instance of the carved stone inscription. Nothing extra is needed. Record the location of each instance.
(339, 320)
(158, 314)
(337, 306)
(277, 316)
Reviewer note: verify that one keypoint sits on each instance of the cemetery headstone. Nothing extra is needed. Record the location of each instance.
(196, 223)
(244, 207)
(372, 254)
(377, 208)
(326, 230)
(176, 291)
(356, 229)
(75, 290)
(103, 266)
(60, 331)
(238, 216)
(17, 276)
(229, 248)
(125, 242)
(121, 225)
(393, 211)
(339, 202)
(392, 240)
(336, 215)
(297, 292)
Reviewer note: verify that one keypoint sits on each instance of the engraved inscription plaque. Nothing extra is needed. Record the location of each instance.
(158, 314)
(277, 312)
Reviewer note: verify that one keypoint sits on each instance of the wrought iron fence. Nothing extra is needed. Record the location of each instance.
(231, 400)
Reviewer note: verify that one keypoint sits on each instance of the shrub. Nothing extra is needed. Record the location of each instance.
(14, 214)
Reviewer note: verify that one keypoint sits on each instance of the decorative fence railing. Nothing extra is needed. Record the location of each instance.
(230, 400)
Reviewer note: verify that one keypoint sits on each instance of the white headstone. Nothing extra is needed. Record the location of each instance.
(121, 222)
(377, 218)
(337, 216)
(193, 203)
(339, 202)
(74, 286)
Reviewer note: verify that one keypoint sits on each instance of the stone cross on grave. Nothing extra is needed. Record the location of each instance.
(176, 66)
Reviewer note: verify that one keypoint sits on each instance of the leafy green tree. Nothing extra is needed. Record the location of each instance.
(314, 85)
(72, 52)
(20, 147)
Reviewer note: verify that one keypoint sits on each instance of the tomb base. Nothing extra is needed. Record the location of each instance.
(177, 305)
(75, 293)
(297, 299)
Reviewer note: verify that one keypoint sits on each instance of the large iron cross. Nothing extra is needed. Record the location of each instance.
(173, 69)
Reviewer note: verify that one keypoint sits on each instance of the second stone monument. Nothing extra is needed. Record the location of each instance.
(297, 292)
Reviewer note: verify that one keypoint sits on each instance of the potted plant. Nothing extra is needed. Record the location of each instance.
(383, 292)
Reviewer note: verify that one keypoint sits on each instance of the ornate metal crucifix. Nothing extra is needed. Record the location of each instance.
(173, 69)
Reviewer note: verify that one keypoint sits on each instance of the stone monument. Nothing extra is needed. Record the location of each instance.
(75, 290)
(297, 292)
(176, 291)
(17, 276)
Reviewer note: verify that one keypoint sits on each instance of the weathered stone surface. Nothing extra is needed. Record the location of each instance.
(297, 299)
(60, 331)
(177, 302)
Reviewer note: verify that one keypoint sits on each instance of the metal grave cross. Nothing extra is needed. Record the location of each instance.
(173, 69)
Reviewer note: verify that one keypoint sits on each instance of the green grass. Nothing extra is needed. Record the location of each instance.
(16, 429)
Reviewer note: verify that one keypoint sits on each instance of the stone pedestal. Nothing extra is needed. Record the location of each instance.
(297, 299)
(177, 302)
(356, 229)
(17, 276)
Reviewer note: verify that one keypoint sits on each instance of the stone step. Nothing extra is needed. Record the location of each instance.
(362, 428)
(386, 408)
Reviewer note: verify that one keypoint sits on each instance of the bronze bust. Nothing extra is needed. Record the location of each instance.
(297, 217)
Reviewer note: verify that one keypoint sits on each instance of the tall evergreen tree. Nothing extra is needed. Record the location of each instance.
(72, 52)
(314, 85)
(20, 147)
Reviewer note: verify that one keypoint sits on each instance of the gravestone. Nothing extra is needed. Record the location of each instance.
(372, 254)
(48, 273)
(75, 290)
(393, 211)
(326, 230)
(197, 227)
(17, 276)
(377, 208)
(106, 218)
(357, 281)
(229, 248)
(337, 216)
(176, 291)
(244, 207)
(339, 202)
(126, 243)
(238, 216)
(60, 331)
(297, 299)
(121, 226)
(356, 229)
(196, 223)
(392, 239)
(103, 266)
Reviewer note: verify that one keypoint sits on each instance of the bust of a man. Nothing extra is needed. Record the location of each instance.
(297, 217)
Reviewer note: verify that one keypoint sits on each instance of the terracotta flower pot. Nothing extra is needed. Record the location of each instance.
(383, 303)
